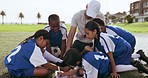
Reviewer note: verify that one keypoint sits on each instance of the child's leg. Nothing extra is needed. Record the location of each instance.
(41, 72)
(123, 68)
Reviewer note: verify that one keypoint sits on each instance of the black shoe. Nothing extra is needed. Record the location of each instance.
(141, 68)
(142, 56)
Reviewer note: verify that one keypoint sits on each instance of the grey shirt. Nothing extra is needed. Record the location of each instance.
(79, 20)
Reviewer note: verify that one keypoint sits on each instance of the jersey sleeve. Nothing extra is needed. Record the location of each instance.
(64, 32)
(47, 28)
(37, 58)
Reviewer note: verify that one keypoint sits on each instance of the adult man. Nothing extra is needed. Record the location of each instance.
(79, 20)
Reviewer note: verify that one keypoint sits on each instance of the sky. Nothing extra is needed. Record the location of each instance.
(64, 8)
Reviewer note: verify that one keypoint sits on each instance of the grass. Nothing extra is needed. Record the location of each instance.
(20, 28)
(11, 35)
(140, 27)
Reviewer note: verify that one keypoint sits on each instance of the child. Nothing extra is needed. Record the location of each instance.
(58, 36)
(94, 64)
(118, 50)
(27, 59)
(114, 30)
(129, 37)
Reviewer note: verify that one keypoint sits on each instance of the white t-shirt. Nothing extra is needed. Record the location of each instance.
(79, 20)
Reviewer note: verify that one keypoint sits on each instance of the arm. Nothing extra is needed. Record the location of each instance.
(63, 48)
(113, 66)
(50, 66)
(48, 47)
(70, 37)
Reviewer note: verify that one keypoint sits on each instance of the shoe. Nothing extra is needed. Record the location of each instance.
(141, 68)
(142, 56)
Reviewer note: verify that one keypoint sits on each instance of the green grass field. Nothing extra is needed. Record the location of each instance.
(141, 27)
(11, 35)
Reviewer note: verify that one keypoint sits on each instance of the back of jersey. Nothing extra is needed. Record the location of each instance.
(96, 65)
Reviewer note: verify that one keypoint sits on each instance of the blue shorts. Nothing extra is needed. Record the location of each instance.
(21, 72)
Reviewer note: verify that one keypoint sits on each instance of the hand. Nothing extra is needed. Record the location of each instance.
(61, 73)
(65, 69)
(115, 75)
(88, 48)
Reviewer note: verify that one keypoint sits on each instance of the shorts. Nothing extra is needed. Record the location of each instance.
(80, 45)
(21, 72)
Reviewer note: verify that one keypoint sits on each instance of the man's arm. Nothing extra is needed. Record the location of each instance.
(70, 37)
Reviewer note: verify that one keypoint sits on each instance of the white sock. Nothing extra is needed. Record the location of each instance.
(123, 68)
(49, 57)
(135, 56)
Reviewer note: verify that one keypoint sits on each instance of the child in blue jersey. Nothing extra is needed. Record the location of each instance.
(27, 59)
(118, 49)
(129, 37)
(114, 30)
(58, 36)
(94, 64)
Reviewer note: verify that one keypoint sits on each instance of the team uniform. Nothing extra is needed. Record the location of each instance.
(24, 58)
(57, 37)
(114, 30)
(96, 65)
(121, 48)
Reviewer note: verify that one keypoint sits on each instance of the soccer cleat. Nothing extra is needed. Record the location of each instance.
(139, 66)
(142, 56)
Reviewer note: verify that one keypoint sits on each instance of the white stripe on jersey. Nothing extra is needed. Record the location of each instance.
(107, 43)
(90, 71)
(37, 58)
(110, 31)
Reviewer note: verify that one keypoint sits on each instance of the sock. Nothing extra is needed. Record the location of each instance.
(123, 68)
(135, 56)
(49, 57)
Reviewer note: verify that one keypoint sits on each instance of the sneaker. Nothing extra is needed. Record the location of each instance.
(141, 68)
(142, 56)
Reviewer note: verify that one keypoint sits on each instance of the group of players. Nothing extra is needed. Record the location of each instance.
(98, 50)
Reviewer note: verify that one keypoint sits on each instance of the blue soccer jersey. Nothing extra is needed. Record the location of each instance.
(114, 30)
(25, 56)
(57, 37)
(121, 48)
(96, 65)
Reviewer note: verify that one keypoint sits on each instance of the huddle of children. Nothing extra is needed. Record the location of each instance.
(98, 50)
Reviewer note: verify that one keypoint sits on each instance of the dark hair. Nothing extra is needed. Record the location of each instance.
(53, 17)
(91, 25)
(72, 56)
(37, 34)
(99, 21)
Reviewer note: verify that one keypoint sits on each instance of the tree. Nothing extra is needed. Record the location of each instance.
(21, 16)
(38, 16)
(129, 18)
(3, 14)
